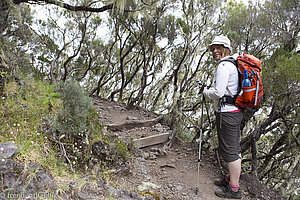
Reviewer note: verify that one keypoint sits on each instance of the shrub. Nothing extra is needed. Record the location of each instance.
(76, 105)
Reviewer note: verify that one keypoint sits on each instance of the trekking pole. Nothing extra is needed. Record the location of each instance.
(213, 136)
(199, 140)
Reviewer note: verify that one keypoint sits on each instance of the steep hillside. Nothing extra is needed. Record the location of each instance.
(168, 170)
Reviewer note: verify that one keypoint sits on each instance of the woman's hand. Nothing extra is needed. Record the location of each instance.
(201, 86)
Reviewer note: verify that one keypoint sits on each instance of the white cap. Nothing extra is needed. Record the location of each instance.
(221, 40)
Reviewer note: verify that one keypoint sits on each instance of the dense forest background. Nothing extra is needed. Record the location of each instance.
(150, 53)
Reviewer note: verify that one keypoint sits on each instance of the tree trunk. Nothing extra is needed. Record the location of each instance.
(4, 11)
(254, 157)
(3, 70)
(260, 129)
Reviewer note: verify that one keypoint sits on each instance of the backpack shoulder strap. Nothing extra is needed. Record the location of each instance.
(233, 61)
(230, 59)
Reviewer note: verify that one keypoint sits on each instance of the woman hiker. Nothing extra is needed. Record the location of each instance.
(228, 116)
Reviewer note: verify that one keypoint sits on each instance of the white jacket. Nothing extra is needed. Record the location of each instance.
(225, 82)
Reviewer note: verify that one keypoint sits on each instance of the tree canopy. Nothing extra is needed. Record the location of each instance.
(150, 53)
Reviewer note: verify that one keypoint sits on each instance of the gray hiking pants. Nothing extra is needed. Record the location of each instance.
(228, 127)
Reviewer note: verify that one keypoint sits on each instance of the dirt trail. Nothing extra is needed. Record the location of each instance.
(169, 172)
(172, 173)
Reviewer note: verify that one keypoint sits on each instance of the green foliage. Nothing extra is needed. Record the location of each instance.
(282, 69)
(103, 61)
(95, 126)
(2, 74)
(72, 119)
(281, 79)
(21, 121)
(122, 149)
(51, 98)
(23, 111)
(241, 25)
(287, 70)
(13, 41)
(44, 59)
(183, 25)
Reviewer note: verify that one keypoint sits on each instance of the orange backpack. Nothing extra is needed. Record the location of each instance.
(248, 97)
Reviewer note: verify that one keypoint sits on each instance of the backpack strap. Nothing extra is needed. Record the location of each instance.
(230, 59)
(233, 61)
(229, 99)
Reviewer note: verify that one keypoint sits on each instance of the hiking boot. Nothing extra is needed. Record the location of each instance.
(221, 182)
(227, 192)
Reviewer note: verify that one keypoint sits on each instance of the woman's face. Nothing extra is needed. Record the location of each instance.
(216, 51)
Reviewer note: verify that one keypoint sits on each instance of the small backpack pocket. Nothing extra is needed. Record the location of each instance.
(248, 94)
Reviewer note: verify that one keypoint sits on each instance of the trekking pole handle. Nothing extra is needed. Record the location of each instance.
(202, 87)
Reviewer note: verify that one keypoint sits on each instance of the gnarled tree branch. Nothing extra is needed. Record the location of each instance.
(67, 6)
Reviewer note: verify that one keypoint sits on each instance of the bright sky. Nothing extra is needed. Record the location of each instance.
(253, 1)
(43, 14)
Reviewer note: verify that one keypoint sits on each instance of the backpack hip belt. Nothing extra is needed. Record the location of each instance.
(226, 99)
